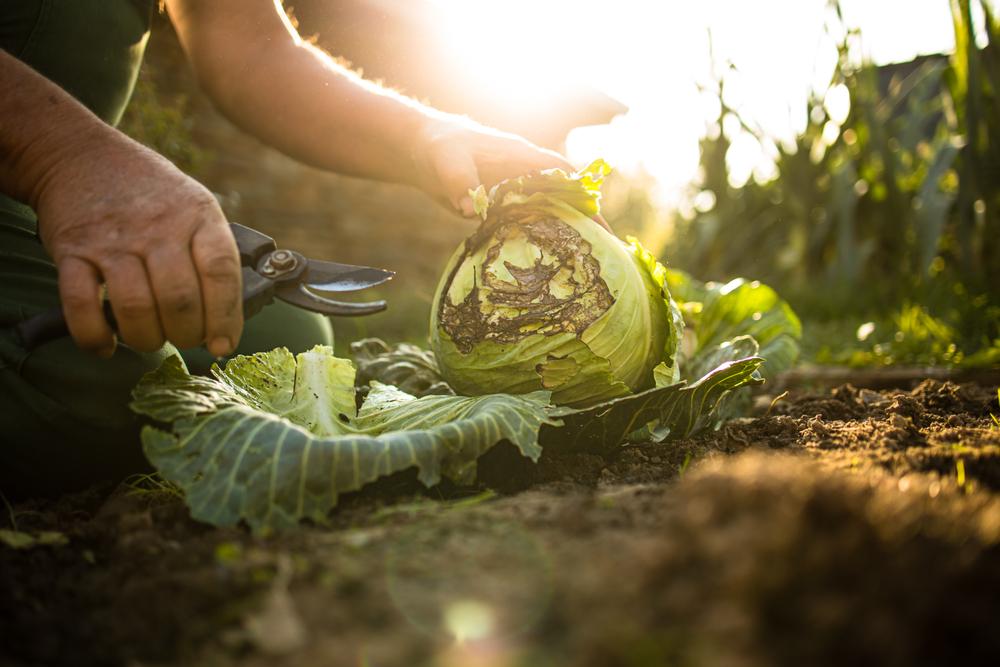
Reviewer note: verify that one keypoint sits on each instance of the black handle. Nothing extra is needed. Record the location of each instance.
(252, 244)
(50, 325)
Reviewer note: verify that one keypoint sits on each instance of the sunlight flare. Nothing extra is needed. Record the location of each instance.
(654, 56)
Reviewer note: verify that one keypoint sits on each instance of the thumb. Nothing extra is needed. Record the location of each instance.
(457, 173)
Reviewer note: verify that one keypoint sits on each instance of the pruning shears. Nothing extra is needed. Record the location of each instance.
(268, 272)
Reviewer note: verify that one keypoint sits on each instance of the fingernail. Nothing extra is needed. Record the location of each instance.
(466, 207)
(220, 347)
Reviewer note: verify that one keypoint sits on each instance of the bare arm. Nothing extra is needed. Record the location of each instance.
(39, 123)
(113, 212)
(290, 94)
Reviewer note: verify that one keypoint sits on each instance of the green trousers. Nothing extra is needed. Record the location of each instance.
(64, 416)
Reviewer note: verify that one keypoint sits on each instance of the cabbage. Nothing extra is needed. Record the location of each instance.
(542, 297)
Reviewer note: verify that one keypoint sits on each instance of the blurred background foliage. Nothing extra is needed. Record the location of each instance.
(162, 120)
(881, 226)
(880, 222)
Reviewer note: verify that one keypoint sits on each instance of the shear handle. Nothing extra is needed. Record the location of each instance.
(50, 325)
(252, 244)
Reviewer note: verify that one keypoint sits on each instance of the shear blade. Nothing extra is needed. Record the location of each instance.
(299, 295)
(336, 277)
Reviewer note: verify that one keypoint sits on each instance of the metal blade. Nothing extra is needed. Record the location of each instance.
(299, 296)
(336, 277)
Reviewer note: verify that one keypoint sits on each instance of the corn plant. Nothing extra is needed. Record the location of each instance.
(900, 206)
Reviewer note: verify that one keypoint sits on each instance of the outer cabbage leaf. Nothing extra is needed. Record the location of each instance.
(684, 408)
(314, 390)
(720, 314)
(236, 459)
(560, 363)
(581, 190)
(412, 369)
(679, 410)
(667, 371)
(170, 393)
(732, 321)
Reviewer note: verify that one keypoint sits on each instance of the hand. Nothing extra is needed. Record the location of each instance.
(457, 155)
(116, 213)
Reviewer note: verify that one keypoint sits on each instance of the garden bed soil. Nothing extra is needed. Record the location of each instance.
(843, 527)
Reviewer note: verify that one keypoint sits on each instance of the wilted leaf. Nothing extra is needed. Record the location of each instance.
(679, 410)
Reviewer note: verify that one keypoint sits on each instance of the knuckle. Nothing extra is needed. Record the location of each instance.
(220, 267)
(197, 195)
(206, 203)
(180, 300)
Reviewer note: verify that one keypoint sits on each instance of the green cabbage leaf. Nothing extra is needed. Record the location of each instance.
(274, 438)
(735, 319)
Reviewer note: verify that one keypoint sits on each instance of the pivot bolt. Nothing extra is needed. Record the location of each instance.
(282, 260)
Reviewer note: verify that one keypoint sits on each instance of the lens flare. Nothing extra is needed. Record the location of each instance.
(469, 620)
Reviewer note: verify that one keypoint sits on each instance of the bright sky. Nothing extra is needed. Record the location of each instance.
(651, 54)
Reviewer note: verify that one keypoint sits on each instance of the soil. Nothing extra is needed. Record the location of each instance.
(844, 527)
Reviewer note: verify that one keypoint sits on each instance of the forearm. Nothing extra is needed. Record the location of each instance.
(295, 97)
(40, 124)
(321, 114)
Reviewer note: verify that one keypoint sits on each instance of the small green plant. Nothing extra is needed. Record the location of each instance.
(151, 483)
(682, 468)
(996, 420)
(910, 335)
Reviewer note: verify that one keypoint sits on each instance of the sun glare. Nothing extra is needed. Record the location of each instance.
(653, 56)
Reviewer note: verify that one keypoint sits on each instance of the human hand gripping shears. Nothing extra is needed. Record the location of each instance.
(268, 273)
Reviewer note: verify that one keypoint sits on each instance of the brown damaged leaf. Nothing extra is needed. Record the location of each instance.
(562, 292)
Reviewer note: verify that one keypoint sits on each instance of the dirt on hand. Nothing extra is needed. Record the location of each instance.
(847, 527)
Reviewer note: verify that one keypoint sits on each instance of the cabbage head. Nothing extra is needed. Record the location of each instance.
(544, 297)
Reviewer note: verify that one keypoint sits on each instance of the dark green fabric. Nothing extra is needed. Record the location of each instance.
(91, 48)
(64, 420)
